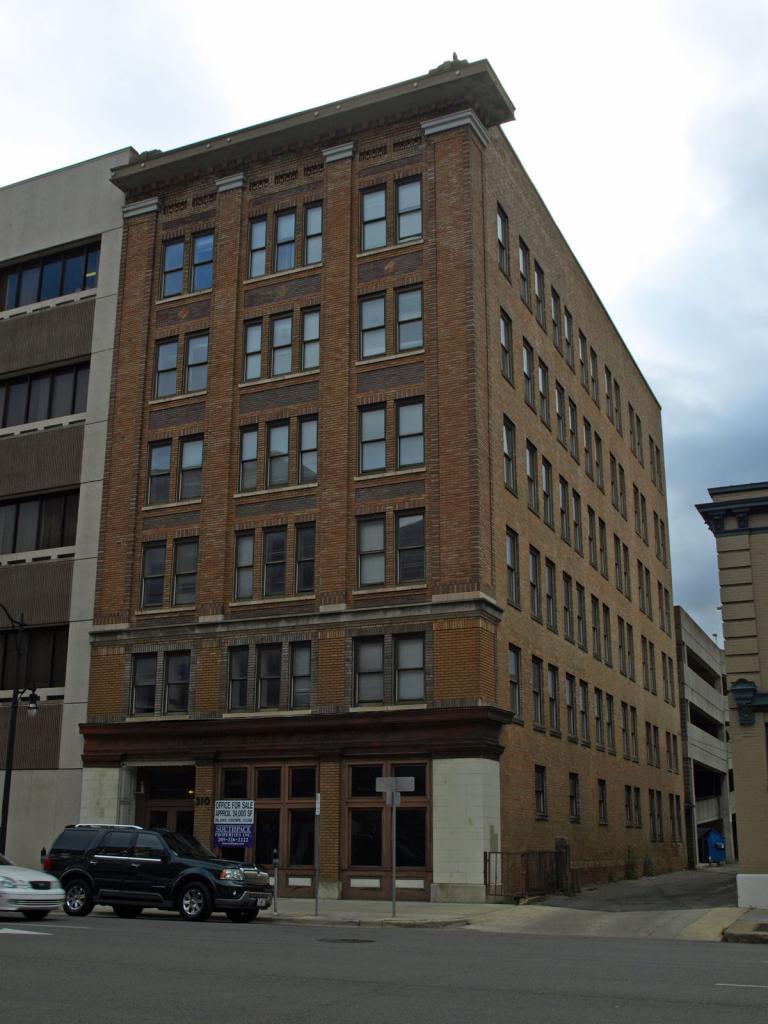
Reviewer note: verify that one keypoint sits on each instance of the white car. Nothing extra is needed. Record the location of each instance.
(30, 892)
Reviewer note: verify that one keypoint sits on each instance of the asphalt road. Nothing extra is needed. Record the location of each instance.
(100, 970)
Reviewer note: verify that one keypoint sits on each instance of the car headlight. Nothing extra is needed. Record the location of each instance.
(8, 883)
(232, 874)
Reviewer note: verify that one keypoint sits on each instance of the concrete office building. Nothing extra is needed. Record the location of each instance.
(704, 736)
(738, 518)
(385, 495)
(60, 239)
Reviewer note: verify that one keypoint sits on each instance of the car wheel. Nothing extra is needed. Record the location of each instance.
(195, 902)
(35, 915)
(127, 911)
(78, 898)
(242, 916)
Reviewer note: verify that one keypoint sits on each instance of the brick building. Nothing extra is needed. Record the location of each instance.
(60, 238)
(385, 495)
(738, 518)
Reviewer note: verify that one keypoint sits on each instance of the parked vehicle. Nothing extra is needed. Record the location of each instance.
(130, 868)
(32, 893)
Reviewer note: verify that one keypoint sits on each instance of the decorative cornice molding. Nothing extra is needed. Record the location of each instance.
(141, 207)
(748, 700)
(343, 152)
(232, 181)
(457, 120)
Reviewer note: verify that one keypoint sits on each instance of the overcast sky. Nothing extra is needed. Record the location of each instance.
(643, 125)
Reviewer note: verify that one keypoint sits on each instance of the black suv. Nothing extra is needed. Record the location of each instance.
(130, 868)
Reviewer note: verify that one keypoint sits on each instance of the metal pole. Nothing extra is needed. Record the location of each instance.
(18, 626)
(275, 863)
(394, 797)
(317, 854)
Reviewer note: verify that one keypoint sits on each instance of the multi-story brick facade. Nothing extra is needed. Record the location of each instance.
(60, 239)
(314, 567)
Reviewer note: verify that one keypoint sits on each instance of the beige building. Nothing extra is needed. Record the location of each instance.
(738, 517)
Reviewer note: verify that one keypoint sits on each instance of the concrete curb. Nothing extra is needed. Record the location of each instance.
(358, 922)
(752, 927)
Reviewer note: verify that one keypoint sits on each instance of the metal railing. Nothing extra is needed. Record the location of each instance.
(531, 873)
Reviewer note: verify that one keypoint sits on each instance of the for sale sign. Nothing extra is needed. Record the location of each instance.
(233, 823)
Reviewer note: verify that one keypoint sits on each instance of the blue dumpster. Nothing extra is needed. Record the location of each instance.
(712, 846)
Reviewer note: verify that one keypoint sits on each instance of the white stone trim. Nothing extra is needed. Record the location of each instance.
(232, 181)
(342, 152)
(141, 207)
(457, 120)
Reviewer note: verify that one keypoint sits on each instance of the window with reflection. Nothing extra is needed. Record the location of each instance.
(43, 396)
(49, 277)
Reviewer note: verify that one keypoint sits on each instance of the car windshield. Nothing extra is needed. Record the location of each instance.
(5, 861)
(187, 846)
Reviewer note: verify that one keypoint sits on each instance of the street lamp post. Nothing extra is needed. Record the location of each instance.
(18, 692)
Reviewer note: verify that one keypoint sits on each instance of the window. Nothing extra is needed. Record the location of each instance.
(202, 262)
(531, 458)
(305, 558)
(609, 723)
(159, 482)
(540, 790)
(190, 468)
(652, 667)
(534, 575)
(513, 671)
(573, 433)
(537, 670)
(258, 246)
(583, 361)
(608, 380)
(617, 562)
(252, 361)
(408, 209)
(275, 541)
(554, 303)
(581, 617)
(410, 434)
(370, 552)
(38, 522)
(165, 371)
(583, 711)
(570, 705)
(277, 454)
(639, 435)
(313, 233)
(560, 413)
(543, 393)
(285, 240)
(177, 682)
(588, 466)
(513, 568)
(43, 396)
(152, 575)
(568, 337)
(238, 678)
(369, 671)
(599, 477)
(593, 376)
(522, 262)
(630, 651)
(502, 239)
(143, 684)
(550, 594)
(373, 341)
(632, 441)
(307, 468)
(617, 405)
(268, 679)
(546, 493)
(596, 638)
(505, 340)
(633, 731)
(567, 607)
(249, 451)
(574, 805)
(599, 722)
(173, 268)
(528, 374)
(638, 813)
(373, 447)
(185, 572)
(281, 358)
(48, 277)
(310, 339)
(301, 675)
(374, 219)
(603, 547)
(591, 538)
(625, 729)
(409, 540)
(510, 470)
(409, 667)
(627, 577)
(243, 566)
(622, 492)
(410, 328)
(553, 695)
(578, 539)
(538, 291)
(607, 647)
(652, 814)
(602, 802)
(565, 522)
(622, 647)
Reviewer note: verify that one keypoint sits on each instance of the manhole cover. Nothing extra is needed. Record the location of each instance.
(345, 940)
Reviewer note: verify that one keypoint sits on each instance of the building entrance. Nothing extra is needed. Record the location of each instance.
(165, 798)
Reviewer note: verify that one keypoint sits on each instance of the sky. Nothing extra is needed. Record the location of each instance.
(642, 124)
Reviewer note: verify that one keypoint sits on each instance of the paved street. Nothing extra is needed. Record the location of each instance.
(158, 968)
